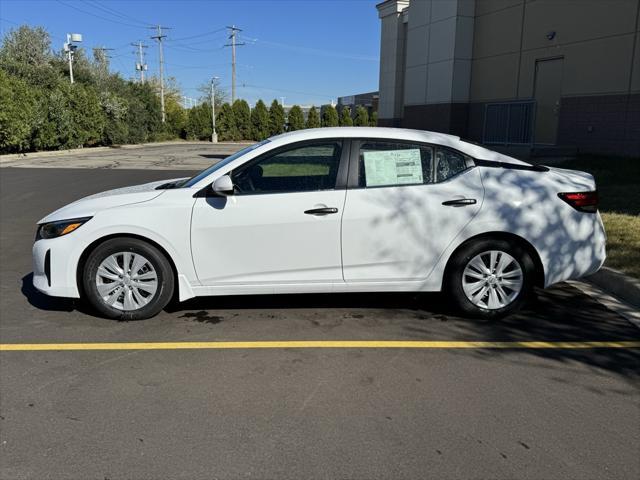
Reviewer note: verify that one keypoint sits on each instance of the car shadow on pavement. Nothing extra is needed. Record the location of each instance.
(45, 302)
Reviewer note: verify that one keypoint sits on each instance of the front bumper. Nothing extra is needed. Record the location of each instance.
(54, 268)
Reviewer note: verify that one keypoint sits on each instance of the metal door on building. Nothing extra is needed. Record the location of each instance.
(547, 91)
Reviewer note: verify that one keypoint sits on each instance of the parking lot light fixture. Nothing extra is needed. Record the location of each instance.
(70, 48)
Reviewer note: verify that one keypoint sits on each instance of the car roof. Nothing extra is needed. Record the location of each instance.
(368, 132)
(472, 149)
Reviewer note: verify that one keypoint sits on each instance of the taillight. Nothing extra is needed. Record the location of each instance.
(581, 201)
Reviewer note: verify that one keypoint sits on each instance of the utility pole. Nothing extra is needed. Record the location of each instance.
(214, 135)
(159, 38)
(140, 65)
(234, 31)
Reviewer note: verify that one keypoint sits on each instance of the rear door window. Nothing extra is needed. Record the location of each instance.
(389, 164)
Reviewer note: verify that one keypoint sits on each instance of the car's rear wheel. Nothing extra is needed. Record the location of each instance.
(490, 278)
(127, 279)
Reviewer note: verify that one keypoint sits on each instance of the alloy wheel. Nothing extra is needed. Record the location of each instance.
(492, 280)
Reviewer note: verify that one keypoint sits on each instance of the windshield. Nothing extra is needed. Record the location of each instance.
(205, 173)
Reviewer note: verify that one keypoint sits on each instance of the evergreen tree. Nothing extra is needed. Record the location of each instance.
(242, 116)
(313, 120)
(260, 121)
(329, 116)
(276, 118)
(373, 119)
(226, 125)
(362, 117)
(345, 117)
(296, 118)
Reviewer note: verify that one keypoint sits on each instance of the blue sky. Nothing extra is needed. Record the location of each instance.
(307, 51)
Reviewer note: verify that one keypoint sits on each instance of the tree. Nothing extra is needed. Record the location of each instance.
(276, 118)
(242, 117)
(296, 118)
(313, 120)
(329, 116)
(26, 53)
(260, 121)
(345, 117)
(362, 117)
(17, 115)
(40, 109)
(373, 119)
(226, 124)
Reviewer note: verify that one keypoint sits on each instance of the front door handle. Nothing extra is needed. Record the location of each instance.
(321, 211)
(460, 202)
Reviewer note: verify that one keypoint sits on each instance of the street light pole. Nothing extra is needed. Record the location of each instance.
(214, 134)
(69, 47)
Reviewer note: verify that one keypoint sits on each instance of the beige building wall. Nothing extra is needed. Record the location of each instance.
(596, 39)
(463, 54)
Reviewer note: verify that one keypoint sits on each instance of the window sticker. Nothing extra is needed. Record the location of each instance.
(393, 167)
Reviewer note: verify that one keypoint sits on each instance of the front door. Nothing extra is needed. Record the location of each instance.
(282, 225)
(548, 88)
(411, 202)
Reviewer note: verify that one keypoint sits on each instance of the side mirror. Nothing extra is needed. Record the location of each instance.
(223, 186)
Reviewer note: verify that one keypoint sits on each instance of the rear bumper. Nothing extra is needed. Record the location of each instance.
(579, 252)
(54, 269)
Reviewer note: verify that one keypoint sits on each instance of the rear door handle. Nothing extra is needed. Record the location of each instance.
(460, 202)
(321, 211)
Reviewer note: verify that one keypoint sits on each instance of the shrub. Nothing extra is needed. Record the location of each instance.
(276, 118)
(296, 118)
(242, 118)
(373, 119)
(260, 121)
(313, 120)
(329, 116)
(17, 114)
(226, 124)
(345, 117)
(362, 117)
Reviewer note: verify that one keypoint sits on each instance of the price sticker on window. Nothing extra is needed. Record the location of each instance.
(393, 167)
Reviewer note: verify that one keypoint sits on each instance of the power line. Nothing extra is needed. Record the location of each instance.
(116, 13)
(73, 7)
(187, 48)
(308, 50)
(199, 34)
(197, 67)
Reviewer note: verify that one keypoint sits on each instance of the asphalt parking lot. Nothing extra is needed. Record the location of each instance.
(515, 413)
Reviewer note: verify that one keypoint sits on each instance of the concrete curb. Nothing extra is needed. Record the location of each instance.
(12, 157)
(617, 284)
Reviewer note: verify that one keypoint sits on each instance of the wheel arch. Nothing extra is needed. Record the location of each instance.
(539, 279)
(93, 245)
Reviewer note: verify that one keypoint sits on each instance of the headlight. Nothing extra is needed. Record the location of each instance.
(60, 228)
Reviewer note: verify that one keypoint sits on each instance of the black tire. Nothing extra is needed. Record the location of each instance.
(156, 258)
(453, 282)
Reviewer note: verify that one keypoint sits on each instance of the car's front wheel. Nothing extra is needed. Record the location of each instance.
(490, 278)
(127, 279)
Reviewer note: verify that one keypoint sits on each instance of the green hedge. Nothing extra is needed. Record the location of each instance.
(41, 110)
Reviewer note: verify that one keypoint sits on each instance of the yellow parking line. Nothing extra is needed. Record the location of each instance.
(7, 347)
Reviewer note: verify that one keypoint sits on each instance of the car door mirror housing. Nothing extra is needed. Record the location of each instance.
(223, 186)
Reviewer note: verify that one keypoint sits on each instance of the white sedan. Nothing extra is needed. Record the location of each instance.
(329, 210)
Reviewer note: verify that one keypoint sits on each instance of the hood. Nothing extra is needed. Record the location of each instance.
(89, 206)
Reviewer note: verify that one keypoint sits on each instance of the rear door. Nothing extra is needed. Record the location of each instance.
(405, 204)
